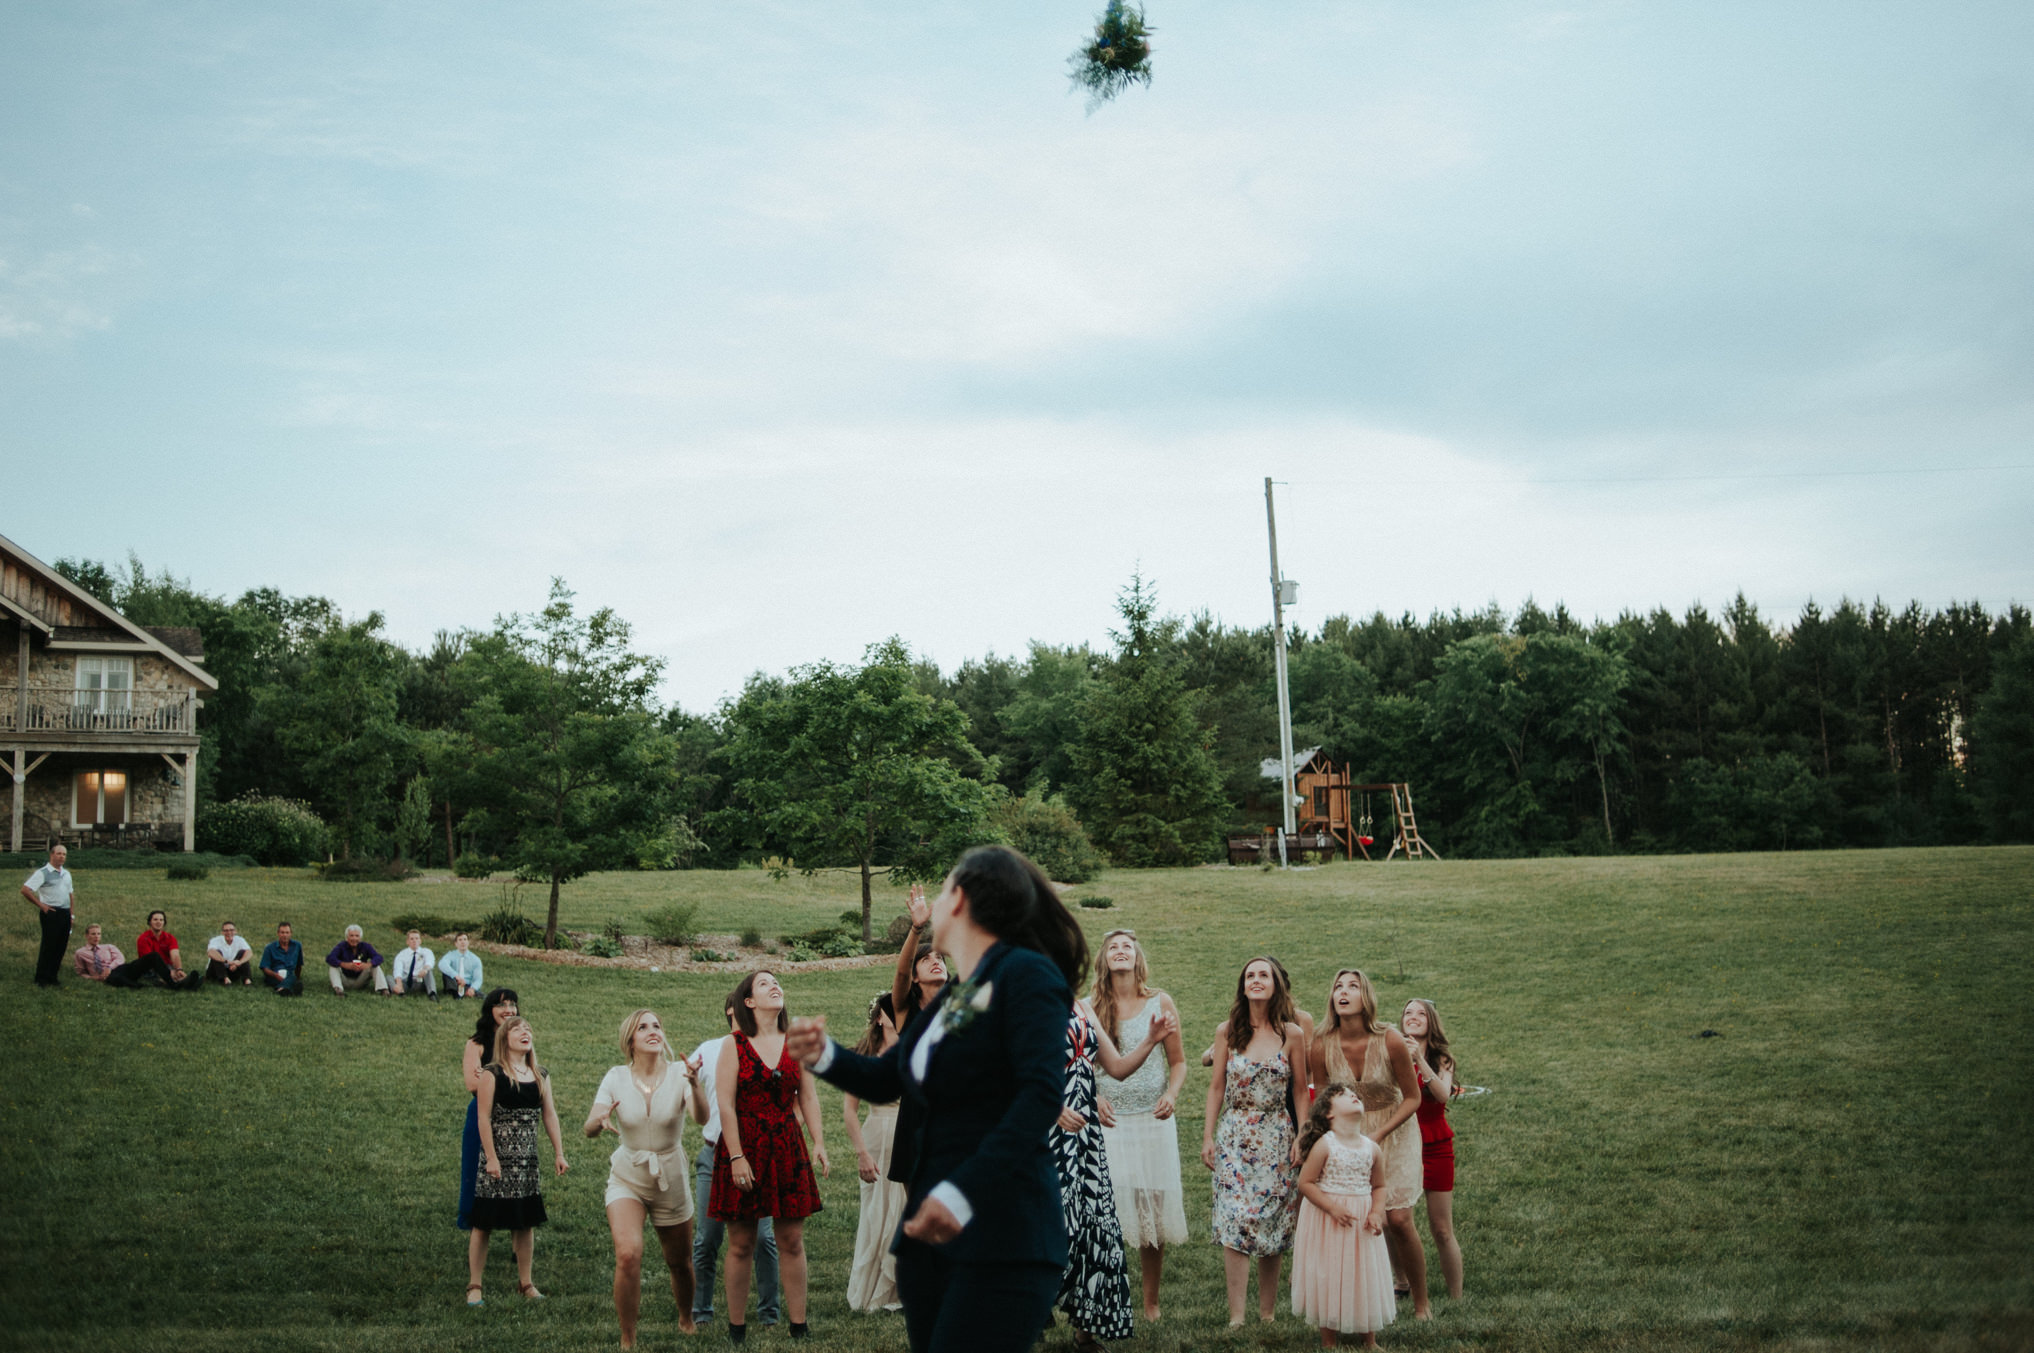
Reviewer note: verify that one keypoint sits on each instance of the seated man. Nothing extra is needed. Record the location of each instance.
(354, 964)
(462, 967)
(230, 958)
(282, 963)
(413, 972)
(96, 959)
(158, 955)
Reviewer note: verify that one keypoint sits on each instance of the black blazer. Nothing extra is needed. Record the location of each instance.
(992, 1091)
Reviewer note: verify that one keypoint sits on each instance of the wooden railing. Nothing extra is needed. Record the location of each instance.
(60, 709)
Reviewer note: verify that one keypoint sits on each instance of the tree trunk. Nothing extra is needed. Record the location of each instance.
(1603, 784)
(451, 852)
(551, 920)
(865, 900)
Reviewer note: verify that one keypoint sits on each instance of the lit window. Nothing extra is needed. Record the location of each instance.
(100, 798)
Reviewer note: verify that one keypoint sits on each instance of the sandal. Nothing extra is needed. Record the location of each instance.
(529, 1291)
(473, 1297)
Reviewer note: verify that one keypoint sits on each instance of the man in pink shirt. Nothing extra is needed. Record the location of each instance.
(95, 960)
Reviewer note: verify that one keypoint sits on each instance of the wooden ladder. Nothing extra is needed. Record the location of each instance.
(1408, 830)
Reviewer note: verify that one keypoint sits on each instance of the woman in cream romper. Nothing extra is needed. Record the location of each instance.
(645, 1102)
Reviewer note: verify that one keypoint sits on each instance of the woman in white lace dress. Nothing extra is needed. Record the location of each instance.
(1137, 1114)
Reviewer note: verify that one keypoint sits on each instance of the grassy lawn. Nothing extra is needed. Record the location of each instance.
(1849, 1164)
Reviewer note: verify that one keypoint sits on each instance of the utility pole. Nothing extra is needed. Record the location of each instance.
(1278, 604)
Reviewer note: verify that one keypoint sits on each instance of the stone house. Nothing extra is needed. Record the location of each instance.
(98, 716)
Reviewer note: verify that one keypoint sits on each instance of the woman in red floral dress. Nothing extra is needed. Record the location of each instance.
(760, 1169)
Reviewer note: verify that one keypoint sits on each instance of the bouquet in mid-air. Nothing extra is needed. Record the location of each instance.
(1116, 57)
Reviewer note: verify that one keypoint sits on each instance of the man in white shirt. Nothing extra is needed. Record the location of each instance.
(50, 889)
(413, 973)
(231, 958)
(706, 1240)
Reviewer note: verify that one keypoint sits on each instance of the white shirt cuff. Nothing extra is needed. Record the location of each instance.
(825, 1058)
(954, 1201)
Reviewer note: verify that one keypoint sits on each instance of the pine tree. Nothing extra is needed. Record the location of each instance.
(1147, 785)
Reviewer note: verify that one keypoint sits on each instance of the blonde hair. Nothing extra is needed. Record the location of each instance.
(1104, 999)
(628, 1035)
(502, 1051)
(1366, 1010)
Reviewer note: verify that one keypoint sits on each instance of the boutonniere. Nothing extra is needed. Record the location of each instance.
(966, 1001)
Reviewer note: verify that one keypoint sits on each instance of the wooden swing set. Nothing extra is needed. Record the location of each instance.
(1335, 814)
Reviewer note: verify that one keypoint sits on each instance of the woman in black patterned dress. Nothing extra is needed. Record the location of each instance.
(1095, 1289)
(508, 1193)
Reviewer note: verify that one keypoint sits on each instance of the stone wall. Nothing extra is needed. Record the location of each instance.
(46, 798)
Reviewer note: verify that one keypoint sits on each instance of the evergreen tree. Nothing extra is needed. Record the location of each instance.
(1146, 786)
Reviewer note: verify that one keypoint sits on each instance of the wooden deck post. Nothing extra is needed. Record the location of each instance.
(20, 776)
(190, 800)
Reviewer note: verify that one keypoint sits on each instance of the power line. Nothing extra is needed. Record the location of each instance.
(1683, 478)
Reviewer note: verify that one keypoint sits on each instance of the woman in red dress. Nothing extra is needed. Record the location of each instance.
(760, 1169)
(1436, 1070)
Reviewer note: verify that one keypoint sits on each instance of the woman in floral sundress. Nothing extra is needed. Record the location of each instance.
(1249, 1136)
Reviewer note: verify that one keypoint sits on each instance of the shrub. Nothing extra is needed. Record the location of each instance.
(87, 857)
(841, 946)
(752, 938)
(431, 924)
(613, 929)
(1098, 903)
(506, 924)
(360, 869)
(601, 946)
(274, 831)
(187, 871)
(799, 954)
(675, 924)
(710, 956)
(851, 918)
(473, 865)
(1047, 830)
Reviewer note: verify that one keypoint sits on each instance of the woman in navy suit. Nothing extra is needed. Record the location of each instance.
(983, 1243)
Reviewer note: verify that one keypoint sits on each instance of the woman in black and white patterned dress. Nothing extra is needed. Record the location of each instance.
(1095, 1289)
(508, 1193)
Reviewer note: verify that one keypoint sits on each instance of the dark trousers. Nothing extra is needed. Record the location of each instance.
(150, 965)
(292, 981)
(972, 1308)
(215, 971)
(56, 942)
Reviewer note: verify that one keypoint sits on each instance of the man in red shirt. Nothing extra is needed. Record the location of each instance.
(159, 956)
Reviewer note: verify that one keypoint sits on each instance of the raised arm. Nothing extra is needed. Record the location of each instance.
(601, 1117)
(1120, 1065)
(907, 957)
(1175, 1057)
(1400, 1057)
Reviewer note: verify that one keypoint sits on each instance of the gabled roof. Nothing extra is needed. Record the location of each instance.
(1271, 770)
(115, 627)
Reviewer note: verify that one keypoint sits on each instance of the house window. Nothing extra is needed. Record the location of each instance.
(105, 685)
(100, 798)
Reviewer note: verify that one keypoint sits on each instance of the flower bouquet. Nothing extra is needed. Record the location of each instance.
(1118, 56)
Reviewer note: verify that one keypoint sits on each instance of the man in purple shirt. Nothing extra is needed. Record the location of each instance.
(95, 960)
(354, 965)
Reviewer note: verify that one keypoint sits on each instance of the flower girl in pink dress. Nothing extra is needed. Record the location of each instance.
(1341, 1272)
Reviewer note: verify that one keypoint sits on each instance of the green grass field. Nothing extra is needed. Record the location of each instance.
(1847, 1165)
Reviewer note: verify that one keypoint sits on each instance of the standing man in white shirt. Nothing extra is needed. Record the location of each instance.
(50, 889)
(706, 1241)
(413, 973)
(230, 958)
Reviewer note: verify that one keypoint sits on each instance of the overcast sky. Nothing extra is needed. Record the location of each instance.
(785, 327)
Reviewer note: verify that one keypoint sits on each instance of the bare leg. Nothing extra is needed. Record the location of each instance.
(625, 1222)
(1441, 1221)
(476, 1256)
(1267, 1286)
(1329, 1338)
(676, 1242)
(524, 1243)
(791, 1267)
(1152, 1258)
(1401, 1237)
(1236, 1277)
(741, 1263)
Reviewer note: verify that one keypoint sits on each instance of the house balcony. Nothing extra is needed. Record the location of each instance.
(54, 716)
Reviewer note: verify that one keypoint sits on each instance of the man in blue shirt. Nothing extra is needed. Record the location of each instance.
(49, 889)
(282, 963)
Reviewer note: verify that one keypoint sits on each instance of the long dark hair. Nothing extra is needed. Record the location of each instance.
(872, 1037)
(483, 1028)
(1277, 1010)
(745, 1014)
(1012, 899)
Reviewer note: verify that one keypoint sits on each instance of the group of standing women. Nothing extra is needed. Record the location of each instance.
(1360, 1165)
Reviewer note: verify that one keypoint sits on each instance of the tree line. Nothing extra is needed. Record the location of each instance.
(541, 742)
